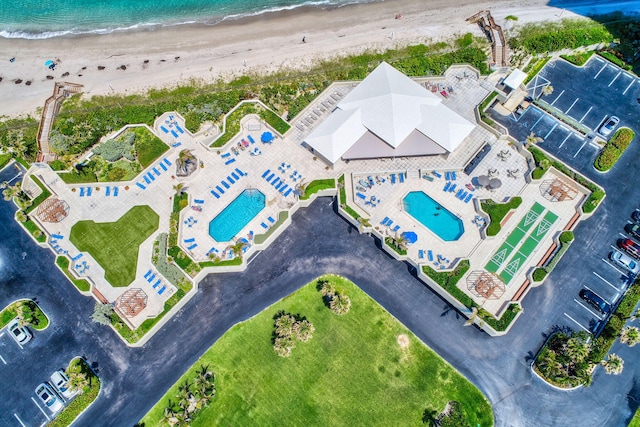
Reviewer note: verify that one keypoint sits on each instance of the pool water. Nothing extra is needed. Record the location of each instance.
(228, 223)
(433, 215)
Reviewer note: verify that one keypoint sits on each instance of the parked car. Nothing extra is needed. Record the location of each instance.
(20, 333)
(49, 398)
(630, 247)
(609, 125)
(625, 261)
(60, 381)
(636, 215)
(633, 230)
(596, 301)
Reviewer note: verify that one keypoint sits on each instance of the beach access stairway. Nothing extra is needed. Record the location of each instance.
(51, 108)
(499, 53)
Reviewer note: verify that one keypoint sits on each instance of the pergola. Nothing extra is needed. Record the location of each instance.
(485, 285)
(131, 302)
(53, 210)
(557, 190)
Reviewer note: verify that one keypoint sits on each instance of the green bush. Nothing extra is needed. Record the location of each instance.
(497, 211)
(547, 37)
(578, 59)
(566, 237)
(115, 149)
(504, 321)
(561, 367)
(534, 68)
(172, 273)
(539, 274)
(393, 244)
(465, 41)
(614, 149)
(611, 56)
(449, 280)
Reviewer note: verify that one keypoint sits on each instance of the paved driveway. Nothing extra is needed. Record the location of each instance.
(318, 241)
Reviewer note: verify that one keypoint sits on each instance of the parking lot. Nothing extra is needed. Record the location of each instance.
(588, 95)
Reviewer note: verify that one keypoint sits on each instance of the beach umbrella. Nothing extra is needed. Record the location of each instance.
(483, 180)
(48, 63)
(266, 137)
(410, 236)
(495, 183)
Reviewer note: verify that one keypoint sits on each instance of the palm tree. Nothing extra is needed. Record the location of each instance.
(430, 417)
(547, 90)
(577, 349)
(477, 313)
(327, 289)
(285, 325)
(340, 304)
(533, 139)
(12, 191)
(401, 242)
(179, 188)
(630, 335)
(283, 346)
(78, 380)
(363, 223)
(238, 247)
(613, 365)
(304, 330)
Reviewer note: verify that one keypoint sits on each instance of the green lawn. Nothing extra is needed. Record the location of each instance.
(352, 372)
(148, 146)
(114, 245)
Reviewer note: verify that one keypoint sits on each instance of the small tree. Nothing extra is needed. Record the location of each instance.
(102, 313)
(613, 365)
(547, 90)
(304, 330)
(340, 304)
(630, 335)
(78, 379)
(533, 139)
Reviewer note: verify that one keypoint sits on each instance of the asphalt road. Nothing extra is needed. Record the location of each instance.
(317, 242)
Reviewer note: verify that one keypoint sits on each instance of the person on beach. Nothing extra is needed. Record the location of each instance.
(304, 39)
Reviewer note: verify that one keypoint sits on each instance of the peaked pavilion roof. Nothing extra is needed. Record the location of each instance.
(391, 106)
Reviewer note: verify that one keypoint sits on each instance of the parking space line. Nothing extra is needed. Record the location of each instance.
(577, 323)
(41, 410)
(2, 358)
(549, 133)
(19, 420)
(597, 58)
(565, 140)
(628, 87)
(580, 149)
(588, 309)
(601, 70)
(537, 121)
(574, 103)
(585, 114)
(606, 261)
(557, 97)
(615, 78)
(607, 282)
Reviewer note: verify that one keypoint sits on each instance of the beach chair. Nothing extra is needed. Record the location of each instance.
(107, 191)
(447, 176)
(162, 289)
(190, 240)
(420, 254)
(156, 171)
(393, 178)
(371, 181)
(147, 274)
(459, 193)
(468, 198)
(384, 221)
(164, 129)
(240, 172)
(286, 193)
(155, 285)
(151, 177)
(430, 255)
(401, 176)
(81, 191)
(224, 183)
(151, 278)
(396, 228)
(192, 247)
(446, 186)
(271, 220)
(146, 179)
(453, 176)
(174, 133)
(275, 181)
(115, 191)
(389, 223)
(179, 129)
(279, 185)
(284, 187)
(235, 176)
(264, 175)
(163, 166)
(198, 201)
(436, 173)
(215, 194)
(140, 185)
(176, 144)
(265, 226)
(220, 190)
(362, 196)
(452, 188)
(231, 160)
(271, 177)
(88, 191)
(225, 155)
(231, 180)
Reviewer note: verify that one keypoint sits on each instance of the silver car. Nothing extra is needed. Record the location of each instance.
(60, 381)
(625, 261)
(20, 333)
(609, 125)
(49, 398)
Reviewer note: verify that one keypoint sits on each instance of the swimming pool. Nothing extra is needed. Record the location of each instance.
(226, 225)
(434, 216)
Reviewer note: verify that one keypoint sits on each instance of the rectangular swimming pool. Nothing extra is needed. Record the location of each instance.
(228, 223)
(433, 215)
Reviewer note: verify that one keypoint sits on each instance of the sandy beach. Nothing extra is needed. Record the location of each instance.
(128, 62)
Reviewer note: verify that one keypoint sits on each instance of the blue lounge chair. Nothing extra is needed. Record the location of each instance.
(166, 162)
(447, 176)
(77, 257)
(384, 221)
(240, 172)
(264, 225)
(286, 193)
(396, 228)
(251, 140)
(389, 223)
(164, 129)
(371, 181)
(199, 201)
(176, 144)
(151, 277)
(284, 187)
(115, 191)
(224, 183)
(271, 220)
(219, 189)
(279, 185)
(225, 155)
(155, 285)
(362, 196)
(430, 255)
(179, 129)
(192, 247)
(463, 195)
(146, 179)
(162, 289)
(231, 180)
(401, 176)
(81, 191)
(57, 236)
(174, 133)
(452, 188)
(190, 240)
(420, 254)
(231, 160)
(459, 193)
(264, 175)
(151, 177)
(469, 197)
(147, 274)
(140, 185)
(156, 171)
(108, 192)
(271, 177)
(393, 178)
(215, 194)
(235, 176)
(88, 191)
(446, 186)
(453, 176)
(275, 181)
(163, 166)
(436, 174)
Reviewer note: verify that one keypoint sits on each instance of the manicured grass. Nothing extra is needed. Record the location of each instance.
(148, 146)
(115, 245)
(317, 185)
(614, 149)
(41, 198)
(4, 159)
(497, 211)
(635, 421)
(352, 372)
(343, 200)
(81, 284)
(38, 321)
(578, 59)
(81, 401)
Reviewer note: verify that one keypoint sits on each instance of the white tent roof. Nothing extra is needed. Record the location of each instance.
(515, 79)
(391, 106)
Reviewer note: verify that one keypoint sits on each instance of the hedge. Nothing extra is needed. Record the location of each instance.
(614, 149)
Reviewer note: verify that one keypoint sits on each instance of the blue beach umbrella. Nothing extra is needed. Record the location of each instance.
(410, 236)
(48, 63)
(266, 137)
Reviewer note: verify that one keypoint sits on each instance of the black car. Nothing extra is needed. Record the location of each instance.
(596, 301)
(633, 230)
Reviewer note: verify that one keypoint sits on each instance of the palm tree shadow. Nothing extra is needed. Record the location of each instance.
(447, 308)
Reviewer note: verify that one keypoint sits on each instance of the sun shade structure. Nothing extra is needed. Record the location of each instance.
(388, 115)
(53, 210)
(131, 302)
(485, 285)
(266, 137)
(515, 79)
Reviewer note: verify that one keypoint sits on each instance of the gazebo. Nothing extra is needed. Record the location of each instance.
(485, 285)
(52, 210)
(558, 190)
(131, 302)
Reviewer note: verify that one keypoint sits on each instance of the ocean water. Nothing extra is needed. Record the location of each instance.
(34, 19)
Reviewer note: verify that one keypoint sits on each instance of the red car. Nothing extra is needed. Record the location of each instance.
(630, 247)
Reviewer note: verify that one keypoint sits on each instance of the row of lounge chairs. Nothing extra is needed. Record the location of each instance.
(170, 124)
(111, 190)
(277, 183)
(387, 222)
(151, 277)
(462, 194)
(271, 222)
(230, 180)
(57, 248)
(85, 191)
(150, 176)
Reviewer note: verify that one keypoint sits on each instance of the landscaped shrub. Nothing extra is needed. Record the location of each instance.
(449, 279)
(453, 416)
(395, 245)
(611, 56)
(578, 58)
(564, 360)
(615, 148)
(539, 274)
(497, 211)
(115, 149)
(547, 37)
(167, 269)
(287, 329)
(566, 237)
(337, 301)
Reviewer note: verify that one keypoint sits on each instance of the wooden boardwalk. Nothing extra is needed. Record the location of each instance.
(499, 53)
(51, 108)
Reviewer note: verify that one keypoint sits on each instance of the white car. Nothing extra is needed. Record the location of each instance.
(625, 261)
(60, 381)
(20, 333)
(609, 125)
(49, 398)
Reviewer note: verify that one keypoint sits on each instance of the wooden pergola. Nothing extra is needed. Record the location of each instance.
(485, 285)
(52, 210)
(131, 302)
(558, 190)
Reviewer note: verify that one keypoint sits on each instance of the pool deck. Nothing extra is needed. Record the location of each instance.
(287, 160)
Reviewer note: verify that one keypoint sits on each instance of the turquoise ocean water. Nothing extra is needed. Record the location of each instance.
(51, 18)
